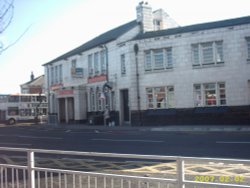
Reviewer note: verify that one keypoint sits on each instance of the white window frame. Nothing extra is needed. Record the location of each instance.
(60, 73)
(96, 63)
(90, 65)
(248, 48)
(56, 74)
(99, 100)
(52, 76)
(123, 64)
(158, 59)
(103, 61)
(168, 100)
(200, 53)
(200, 94)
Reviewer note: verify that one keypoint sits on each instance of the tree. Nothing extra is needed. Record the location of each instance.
(6, 16)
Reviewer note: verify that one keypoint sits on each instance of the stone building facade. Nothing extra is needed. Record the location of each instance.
(152, 72)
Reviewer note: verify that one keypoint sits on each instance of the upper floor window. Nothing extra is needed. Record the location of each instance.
(208, 53)
(52, 80)
(56, 74)
(209, 94)
(158, 59)
(90, 65)
(123, 65)
(103, 61)
(60, 73)
(73, 63)
(160, 97)
(248, 48)
(96, 62)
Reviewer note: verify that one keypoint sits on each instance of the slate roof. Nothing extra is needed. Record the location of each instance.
(99, 40)
(196, 27)
(36, 82)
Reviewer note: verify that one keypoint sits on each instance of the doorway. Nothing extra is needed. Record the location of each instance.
(124, 107)
(62, 115)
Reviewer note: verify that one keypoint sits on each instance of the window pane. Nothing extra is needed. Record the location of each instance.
(13, 99)
(222, 94)
(219, 51)
(103, 62)
(158, 59)
(207, 53)
(160, 97)
(148, 64)
(12, 111)
(210, 94)
(170, 97)
(169, 58)
(248, 48)
(96, 62)
(123, 66)
(25, 98)
(197, 95)
(195, 53)
(90, 66)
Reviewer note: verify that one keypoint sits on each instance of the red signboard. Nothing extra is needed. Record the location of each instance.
(56, 86)
(97, 79)
(65, 92)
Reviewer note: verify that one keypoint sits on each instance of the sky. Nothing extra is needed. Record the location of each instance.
(54, 27)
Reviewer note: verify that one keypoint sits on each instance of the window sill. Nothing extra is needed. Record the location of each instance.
(170, 69)
(219, 64)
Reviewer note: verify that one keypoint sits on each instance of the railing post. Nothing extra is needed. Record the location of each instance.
(31, 171)
(180, 173)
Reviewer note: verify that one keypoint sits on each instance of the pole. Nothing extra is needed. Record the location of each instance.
(31, 171)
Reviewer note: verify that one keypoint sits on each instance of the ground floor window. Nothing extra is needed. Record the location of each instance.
(160, 97)
(209, 94)
(97, 99)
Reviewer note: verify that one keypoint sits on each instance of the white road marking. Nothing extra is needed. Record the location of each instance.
(113, 140)
(37, 137)
(231, 142)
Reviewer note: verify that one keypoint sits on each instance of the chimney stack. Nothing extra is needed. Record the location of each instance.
(32, 76)
(145, 16)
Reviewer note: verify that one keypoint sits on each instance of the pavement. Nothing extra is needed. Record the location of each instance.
(169, 128)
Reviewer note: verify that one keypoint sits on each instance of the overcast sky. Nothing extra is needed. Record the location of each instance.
(57, 26)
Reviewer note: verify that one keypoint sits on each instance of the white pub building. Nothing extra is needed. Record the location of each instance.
(151, 71)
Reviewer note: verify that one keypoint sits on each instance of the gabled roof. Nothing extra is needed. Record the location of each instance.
(196, 27)
(36, 82)
(99, 40)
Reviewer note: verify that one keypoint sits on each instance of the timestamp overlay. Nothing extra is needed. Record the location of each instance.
(219, 173)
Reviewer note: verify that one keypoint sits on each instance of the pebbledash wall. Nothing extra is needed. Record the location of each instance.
(161, 73)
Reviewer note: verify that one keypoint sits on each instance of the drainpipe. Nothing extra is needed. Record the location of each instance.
(136, 50)
(48, 99)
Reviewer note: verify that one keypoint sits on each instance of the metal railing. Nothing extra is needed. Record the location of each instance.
(31, 176)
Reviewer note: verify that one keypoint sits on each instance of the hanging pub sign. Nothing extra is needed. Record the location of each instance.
(77, 72)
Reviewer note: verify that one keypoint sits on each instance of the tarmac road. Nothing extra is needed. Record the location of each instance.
(195, 144)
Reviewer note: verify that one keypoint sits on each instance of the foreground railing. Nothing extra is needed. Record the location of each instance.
(31, 176)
